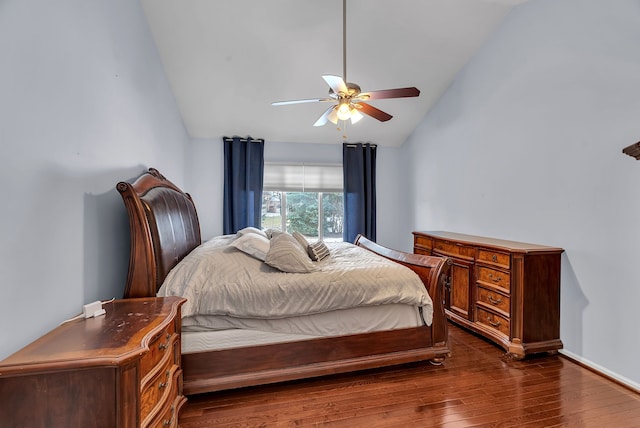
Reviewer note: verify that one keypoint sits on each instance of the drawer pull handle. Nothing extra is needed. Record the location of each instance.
(494, 258)
(168, 336)
(167, 422)
(494, 301)
(163, 384)
(163, 346)
(496, 278)
(495, 324)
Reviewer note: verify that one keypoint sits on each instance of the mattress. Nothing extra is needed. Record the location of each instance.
(198, 337)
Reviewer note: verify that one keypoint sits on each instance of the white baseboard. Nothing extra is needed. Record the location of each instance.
(628, 383)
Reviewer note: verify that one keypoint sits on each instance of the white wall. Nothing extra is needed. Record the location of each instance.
(205, 183)
(84, 104)
(526, 145)
(205, 180)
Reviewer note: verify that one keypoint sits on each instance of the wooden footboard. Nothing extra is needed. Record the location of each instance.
(264, 364)
(432, 270)
(257, 365)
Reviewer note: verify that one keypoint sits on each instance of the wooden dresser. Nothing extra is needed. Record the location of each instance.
(121, 369)
(509, 292)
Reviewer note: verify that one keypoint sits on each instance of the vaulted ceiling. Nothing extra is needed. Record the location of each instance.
(227, 60)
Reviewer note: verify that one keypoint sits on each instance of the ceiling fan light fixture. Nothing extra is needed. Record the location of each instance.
(355, 115)
(344, 111)
(331, 116)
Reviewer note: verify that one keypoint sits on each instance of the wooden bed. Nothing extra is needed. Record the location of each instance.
(165, 228)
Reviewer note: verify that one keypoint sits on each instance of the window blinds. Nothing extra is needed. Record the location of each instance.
(302, 177)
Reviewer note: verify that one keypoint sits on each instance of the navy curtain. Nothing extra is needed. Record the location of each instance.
(359, 166)
(243, 170)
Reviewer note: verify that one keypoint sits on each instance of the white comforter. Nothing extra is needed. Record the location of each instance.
(218, 279)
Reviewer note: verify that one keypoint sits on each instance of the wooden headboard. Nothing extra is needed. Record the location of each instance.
(164, 228)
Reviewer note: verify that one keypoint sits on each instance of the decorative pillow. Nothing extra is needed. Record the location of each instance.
(253, 244)
(272, 232)
(318, 251)
(287, 255)
(301, 239)
(250, 229)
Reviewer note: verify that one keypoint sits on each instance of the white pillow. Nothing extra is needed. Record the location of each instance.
(287, 255)
(253, 244)
(250, 229)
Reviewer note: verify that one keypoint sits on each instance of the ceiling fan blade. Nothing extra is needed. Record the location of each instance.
(390, 93)
(313, 100)
(327, 116)
(336, 83)
(370, 110)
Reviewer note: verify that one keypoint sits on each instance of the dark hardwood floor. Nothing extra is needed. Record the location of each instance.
(477, 387)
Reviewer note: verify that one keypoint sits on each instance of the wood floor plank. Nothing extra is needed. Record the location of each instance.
(477, 386)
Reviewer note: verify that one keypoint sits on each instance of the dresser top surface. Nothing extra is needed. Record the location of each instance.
(122, 333)
(512, 246)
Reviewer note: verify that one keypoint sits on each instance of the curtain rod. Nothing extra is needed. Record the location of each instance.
(322, 164)
(261, 140)
(244, 140)
(373, 146)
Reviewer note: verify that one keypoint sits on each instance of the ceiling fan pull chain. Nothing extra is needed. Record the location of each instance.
(342, 126)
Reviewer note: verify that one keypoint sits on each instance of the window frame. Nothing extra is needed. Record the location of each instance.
(304, 178)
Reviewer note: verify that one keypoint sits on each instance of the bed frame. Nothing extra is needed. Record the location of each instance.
(164, 228)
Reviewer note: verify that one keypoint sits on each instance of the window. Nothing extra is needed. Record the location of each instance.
(304, 198)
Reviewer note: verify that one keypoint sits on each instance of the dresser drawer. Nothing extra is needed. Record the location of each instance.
(165, 414)
(170, 416)
(456, 250)
(494, 257)
(155, 383)
(494, 321)
(494, 300)
(494, 277)
(159, 346)
(157, 392)
(422, 241)
(422, 251)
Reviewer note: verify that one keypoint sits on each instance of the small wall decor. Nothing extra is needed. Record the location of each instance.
(633, 150)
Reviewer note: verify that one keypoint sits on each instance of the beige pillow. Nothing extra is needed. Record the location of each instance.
(253, 244)
(286, 254)
(301, 239)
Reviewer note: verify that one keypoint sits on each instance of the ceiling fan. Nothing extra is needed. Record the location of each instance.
(350, 101)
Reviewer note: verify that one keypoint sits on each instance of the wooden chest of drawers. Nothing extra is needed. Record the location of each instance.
(506, 291)
(117, 370)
